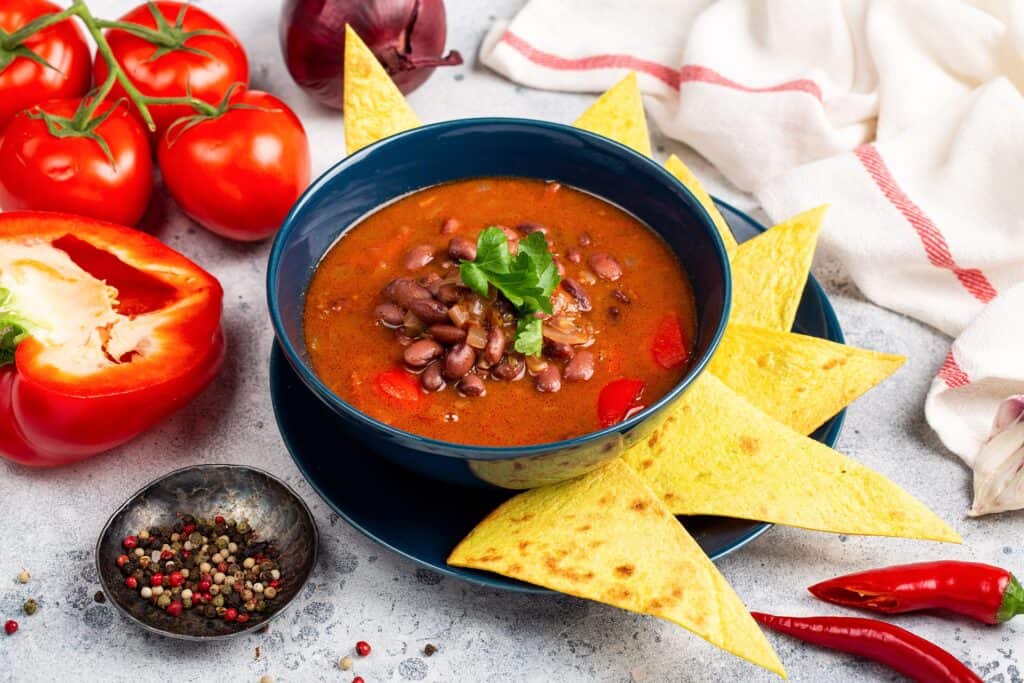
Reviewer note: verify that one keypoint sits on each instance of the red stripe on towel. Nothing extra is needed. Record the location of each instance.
(935, 246)
(952, 374)
(691, 73)
(703, 74)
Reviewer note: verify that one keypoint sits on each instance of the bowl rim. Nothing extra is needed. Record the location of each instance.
(471, 451)
(109, 591)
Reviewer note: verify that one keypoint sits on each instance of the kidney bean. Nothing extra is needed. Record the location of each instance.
(389, 314)
(550, 380)
(431, 378)
(450, 226)
(404, 291)
(419, 256)
(577, 292)
(429, 311)
(449, 335)
(432, 282)
(585, 239)
(402, 338)
(580, 368)
(458, 361)
(449, 294)
(605, 266)
(513, 238)
(511, 369)
(421, 352)
(529, 227)
(558, 350)
(462, 248)
(471, 385)
(495, 347)
(574, 255)
(622, 296)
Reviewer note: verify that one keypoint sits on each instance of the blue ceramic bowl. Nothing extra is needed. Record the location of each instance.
(468, 148)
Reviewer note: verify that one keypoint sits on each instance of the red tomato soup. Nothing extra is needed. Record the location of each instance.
(393, 328)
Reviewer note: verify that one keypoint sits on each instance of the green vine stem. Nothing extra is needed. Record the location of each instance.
(12, 44)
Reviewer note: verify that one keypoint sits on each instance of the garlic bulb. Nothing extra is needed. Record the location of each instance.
(999, 465)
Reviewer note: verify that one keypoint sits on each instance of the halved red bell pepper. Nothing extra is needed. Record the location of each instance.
(104, 332)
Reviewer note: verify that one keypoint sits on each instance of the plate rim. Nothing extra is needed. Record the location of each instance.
(487, 580)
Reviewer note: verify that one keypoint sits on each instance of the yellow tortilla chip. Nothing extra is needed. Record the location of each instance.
(717, 454)
(374, 106)
(800, 381)
(607, 537)
(769, 272)
(677, 168)
(619, 114)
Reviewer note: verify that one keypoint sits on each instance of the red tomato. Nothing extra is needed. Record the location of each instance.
(238, 174)
(25, 82)
(179, 71)
(73, 174)
(617, 399)
(398, 386)
(668, 348)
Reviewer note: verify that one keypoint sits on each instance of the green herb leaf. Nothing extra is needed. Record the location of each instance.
(529, 336)
(527, 281)
(13, 328)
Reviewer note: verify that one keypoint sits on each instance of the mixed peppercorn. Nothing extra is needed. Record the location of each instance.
(215, 567)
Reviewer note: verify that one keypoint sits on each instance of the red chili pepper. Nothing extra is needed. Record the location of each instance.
(617, 399)
(897, 648)
(668, 347)
(980, 591)
(104, 332)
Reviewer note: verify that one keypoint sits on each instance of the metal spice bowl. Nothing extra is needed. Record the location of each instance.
(273, 509)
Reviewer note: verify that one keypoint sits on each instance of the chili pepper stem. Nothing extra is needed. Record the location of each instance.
(1013, 601)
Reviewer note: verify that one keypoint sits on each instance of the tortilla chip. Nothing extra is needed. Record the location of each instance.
(619, 114)
(800, 381)
(677, 168)
(374, 106)
(769, 272)
(607, 537)
(717, 454)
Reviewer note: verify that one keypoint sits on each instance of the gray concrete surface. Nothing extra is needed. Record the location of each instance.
(49, 520)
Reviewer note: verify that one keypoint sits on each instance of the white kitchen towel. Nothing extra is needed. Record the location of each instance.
(905, 115)
(760, 86)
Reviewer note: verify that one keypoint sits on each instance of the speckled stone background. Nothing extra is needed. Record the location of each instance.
(49, 520)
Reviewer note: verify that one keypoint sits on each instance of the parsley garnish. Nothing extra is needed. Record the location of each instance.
(527, 281)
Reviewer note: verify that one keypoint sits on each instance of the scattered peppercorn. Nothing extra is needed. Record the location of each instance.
(429, 650)
(345, 663)
(266, 679)
(100, 597)
(215, 568)
(30, 607)
(24, 576)
(362, 648)
(10, 626)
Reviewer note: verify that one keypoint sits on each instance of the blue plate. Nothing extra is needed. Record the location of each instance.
(423, 519)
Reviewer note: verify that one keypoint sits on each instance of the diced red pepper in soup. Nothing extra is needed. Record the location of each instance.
(398, 386)
(669, 348)
(618, 398)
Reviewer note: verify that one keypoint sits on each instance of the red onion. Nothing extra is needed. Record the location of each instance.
(407, 36)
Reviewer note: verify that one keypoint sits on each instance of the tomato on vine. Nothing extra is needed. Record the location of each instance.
(36, 66)
(237, 171)
(174, 49)
(77, 156)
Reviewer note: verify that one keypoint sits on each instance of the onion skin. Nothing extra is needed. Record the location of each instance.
(407, 36)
